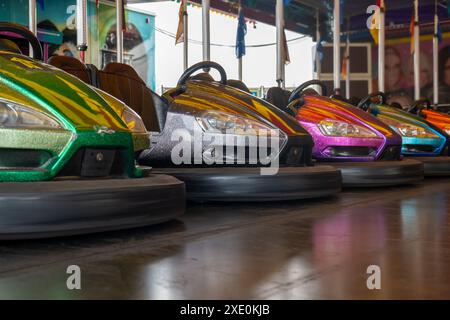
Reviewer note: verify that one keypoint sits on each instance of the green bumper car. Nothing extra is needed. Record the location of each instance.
(67, 154)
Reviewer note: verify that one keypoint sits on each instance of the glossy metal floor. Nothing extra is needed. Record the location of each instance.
(304, 250)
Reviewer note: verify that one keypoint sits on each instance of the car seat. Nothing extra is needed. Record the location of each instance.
(278, 97)
(238, 85)
(71, 65)
(10, 46)
(122, 82)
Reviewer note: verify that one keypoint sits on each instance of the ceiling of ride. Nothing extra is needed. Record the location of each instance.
(301, 15)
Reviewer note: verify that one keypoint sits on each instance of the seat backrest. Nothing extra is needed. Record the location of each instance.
(93, 74)
(122, 81)
(354, 101)
(339, 97)
(238, 85)
(203, 76)
(71, 65)
(278, 97)
(8, 45)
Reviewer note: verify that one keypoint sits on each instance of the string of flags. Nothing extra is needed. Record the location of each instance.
(240, 47)
(242, 32)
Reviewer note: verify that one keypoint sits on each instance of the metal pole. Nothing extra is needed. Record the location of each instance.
(436, 60)
(240, 69)
(337, 46)
(318, 36)
(185, 39)
(279, 16)
(119, 30)
(82, 28)
(32, 24)
(416, 51)
(381, 49)
(206, 30)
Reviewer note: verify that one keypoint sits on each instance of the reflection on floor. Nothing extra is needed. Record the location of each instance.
(294, 250)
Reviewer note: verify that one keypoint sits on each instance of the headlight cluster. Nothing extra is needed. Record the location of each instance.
(13, 115)
(133, 121)
(224, 123)
(409, 130)
(336, 128)
(447, 130)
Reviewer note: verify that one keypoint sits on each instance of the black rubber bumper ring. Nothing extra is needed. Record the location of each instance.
(60, 208)
(380, 173)
(248, 185)
(435, 166)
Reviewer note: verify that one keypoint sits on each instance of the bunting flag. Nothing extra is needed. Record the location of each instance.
(412, 31)
(240, 36)
(318, 56)
(438, 34)
(40, 3)
(375, 34)
(124, 27)
(286, 58)
(179, 38)
(374, 30)
(342, 9)
(345, 61)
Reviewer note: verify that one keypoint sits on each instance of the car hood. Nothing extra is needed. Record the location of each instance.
(201, 96)
(398, 114)
(442, 120)
(317, 108)
(52, 91)
(406, 117)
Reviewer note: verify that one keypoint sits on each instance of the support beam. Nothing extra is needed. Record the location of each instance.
(32, 24)
(186, 38)
(337, 46)
(381, 48)
(82, 28)
(206, 38)
(119, 30)
(416, 51)
(240, 69)
(436, 61)
(279, 17)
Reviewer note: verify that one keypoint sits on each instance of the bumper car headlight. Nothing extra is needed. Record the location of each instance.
(13, 115)
(335, 128)
(447, 130)
(409, 130)
(224, 123)
(133, 121)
